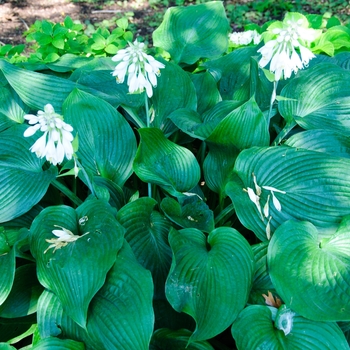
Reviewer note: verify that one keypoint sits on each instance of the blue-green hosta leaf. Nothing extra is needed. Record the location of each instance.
(165, 163)
(120, 315)
(174, 340)
(232, 71)
(23, 182)
(262, 282)
(257, 328)
(311, 277)
(314, 190)
(8, 267)
(77, 270)
(207, 92)
(343, 60)
(58, 344)
(211, 286)
(319, 99)
(24, 294)
(186, 31)
(192, 213)
(107, 144)
(147, 233)
(167, 97)
(244, 127)
(320, 140)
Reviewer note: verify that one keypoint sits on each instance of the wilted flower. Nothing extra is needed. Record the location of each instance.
(56, 142)
(142, 69)
(245, 38)
(281, 41)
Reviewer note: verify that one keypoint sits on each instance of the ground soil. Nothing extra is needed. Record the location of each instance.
(16, 16)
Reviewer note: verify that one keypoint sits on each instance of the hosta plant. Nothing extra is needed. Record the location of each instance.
(196, 199)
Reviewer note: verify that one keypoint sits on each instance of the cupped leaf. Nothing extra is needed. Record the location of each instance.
(186, 31)
(22, 300)
(257, 327)
(23, 182)
(192, 213)
(319, 99)
(300, 184)
(121, 315)
(167, 97)
(107, 144)
(320, 140)
(166, 339)
(312, 277)
(8, 266)
(165, 163)
(147, 233)
(77, 270)
(211, 286)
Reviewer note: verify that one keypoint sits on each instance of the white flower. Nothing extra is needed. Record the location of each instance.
(56, 142)
(283, 40)
(142, 69)
(245, 38)
(275, 201)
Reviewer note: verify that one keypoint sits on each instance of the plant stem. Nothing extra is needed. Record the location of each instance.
(273, 98)
(148, 124)
(66, 191)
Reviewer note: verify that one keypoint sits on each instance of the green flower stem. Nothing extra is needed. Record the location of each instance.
(148, 125)
(66, 191)
(134, 117)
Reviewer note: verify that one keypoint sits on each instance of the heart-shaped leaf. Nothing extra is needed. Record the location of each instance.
(294, 183)
(257, 327)
(109, 156)
(165, 163)
(186, 31)
(147, 233)
(319, 99)
(76, 271)
(23, 182)
(323, 293)
(211, 286)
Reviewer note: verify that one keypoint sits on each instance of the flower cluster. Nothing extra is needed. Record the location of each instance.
(245, 38)
(56, 142)
(142, 69)
(281, 41)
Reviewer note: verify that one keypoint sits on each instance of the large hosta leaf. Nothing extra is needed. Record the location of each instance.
(75, 272)
(319, 99)
(58, 344)
(210, 278)
(120, 315)
(313, 278)
(23, 182)
(147, 233)
(165, 163)
(186, 31)
(8, 266)
(257, 328)
(316, 186)
(107, 144)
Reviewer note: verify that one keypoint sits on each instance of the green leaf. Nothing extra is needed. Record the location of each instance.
(110, 156)
(244, 127)
(147, 233)
(192, 213)
(297, 250)
(256, 328)
(175, 340)
(165, 163)
(58, 344)
(167, 97)
(122, 23)
(23, 182)
(326, 141)
(8, 267)
(313, 190)
(210, 278)
(186, 31)
(58, 41)
(77, 270)
(24, 294)
(321, 99)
